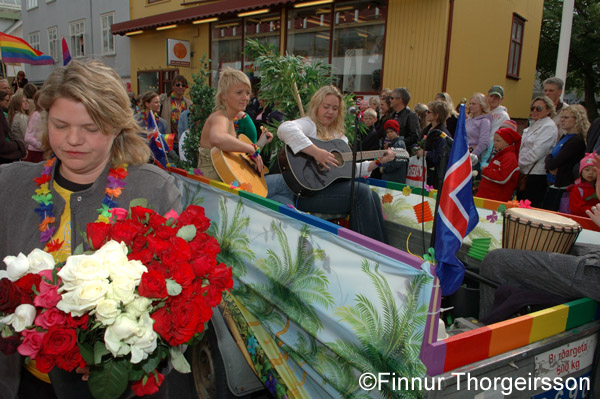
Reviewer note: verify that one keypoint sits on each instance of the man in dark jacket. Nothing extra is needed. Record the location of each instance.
(407, 119)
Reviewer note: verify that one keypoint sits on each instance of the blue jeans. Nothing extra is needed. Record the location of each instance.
(278, 190)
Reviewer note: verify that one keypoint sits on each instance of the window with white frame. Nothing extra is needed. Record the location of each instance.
(108, 40)
(77, 38)
(53, 43)
(31, 4)
(34, 40)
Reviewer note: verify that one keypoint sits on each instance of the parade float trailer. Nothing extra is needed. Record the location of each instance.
(319, 311)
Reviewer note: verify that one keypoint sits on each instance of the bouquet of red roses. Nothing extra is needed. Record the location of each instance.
(122, 310)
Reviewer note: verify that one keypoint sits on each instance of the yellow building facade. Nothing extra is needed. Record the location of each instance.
(428, 46)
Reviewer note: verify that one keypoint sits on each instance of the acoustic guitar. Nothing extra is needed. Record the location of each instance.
(238, 167)
(304, 176)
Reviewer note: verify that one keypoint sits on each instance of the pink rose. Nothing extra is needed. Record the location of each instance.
(119, 214)
(48, 297)
(32, 342)
(50, 317)
(171, 214)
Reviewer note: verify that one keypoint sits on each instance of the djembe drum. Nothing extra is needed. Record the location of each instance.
(535, 230)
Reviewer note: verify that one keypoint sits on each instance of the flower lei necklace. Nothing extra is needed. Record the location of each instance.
(43, 196)
(177, 108)
(145, 115)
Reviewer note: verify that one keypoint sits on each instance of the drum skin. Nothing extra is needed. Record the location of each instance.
(536, 230)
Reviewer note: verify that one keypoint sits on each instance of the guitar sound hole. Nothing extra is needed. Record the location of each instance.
(338, 158)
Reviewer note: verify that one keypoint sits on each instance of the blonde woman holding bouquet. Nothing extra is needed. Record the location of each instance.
(97, 162)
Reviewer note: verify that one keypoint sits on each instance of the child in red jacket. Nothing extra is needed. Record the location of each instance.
(583, 193)
(499, 178)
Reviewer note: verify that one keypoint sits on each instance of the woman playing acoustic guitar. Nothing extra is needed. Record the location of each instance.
(233, 93)
(325, 121)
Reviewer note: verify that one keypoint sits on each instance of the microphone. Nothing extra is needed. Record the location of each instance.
(352, 110)
(450, 140)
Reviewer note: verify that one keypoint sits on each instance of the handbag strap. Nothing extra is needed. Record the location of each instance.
(532, 167)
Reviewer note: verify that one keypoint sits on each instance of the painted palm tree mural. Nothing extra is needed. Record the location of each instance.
(294, 284)
(389, 340)
(233, 239)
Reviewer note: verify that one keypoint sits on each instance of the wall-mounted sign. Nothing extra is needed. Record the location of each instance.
(178, 52)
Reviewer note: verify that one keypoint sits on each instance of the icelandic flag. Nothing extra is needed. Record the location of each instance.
(156, 142)
(457, 214)
(66, 52)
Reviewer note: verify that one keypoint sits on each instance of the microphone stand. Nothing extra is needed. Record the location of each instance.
(353, 179)
(440, 180)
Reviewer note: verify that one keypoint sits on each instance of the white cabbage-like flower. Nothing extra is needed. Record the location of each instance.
(107, 311)
(81, 268)
(16, 267)
(22, 318)
(122, 289)
(138, 306)
(84, 297)
(40, 260)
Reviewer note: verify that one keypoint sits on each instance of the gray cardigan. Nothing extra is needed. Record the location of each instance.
(19, 222)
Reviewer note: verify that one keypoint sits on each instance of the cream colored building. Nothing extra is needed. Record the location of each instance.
(428, 46)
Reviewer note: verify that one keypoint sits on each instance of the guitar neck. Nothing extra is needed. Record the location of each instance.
(362, 155)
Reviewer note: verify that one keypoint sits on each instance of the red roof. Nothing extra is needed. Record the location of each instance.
(193, 14)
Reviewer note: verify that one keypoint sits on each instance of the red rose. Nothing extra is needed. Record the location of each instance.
(77, 322)
(212, 295)
(177, 252)
(58, 341)
(156, 245)
(156, 221)
(10, 296)
(44, 363)
(98, 233)
(153, 285)
(126, 231)
(165, 232)
(139, 213)
(152, 385)
(203, 265)
(194, 214)
(70, 360)
(220, 277)
(162, 322)
(184, 274)
(27, 282)
(139, 243)
(145, 256)
(9, 345)
(204, 244)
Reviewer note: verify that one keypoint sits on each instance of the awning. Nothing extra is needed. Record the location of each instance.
(192, 14)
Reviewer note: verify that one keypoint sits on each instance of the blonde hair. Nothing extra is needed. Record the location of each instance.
(443, 96)
(549, 104)
(336, 129)
(228, 78)
(582, 124)
(147, 97)
(15, 106)
(482, 100)
(440, 109)
(370, 112)
(100, 90)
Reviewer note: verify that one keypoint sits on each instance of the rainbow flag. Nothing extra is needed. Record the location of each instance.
(16, 50)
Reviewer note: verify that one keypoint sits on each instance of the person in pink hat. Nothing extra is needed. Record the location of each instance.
(583, 195)
(499, 178)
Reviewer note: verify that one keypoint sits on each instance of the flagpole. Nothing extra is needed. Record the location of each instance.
(160, 136)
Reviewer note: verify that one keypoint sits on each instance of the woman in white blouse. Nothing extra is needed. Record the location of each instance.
(537, 142)
(325, 121)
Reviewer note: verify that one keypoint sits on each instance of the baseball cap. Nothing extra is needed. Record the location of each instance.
(496, 90)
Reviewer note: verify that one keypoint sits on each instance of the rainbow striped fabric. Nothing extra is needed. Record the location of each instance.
(16, 50)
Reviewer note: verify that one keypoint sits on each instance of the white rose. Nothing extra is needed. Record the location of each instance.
(83, 297)
(113, 256)
(107, 311)
(132, 269)
(138, 306)
(124, 327)
(81, 268)
(40, 260)
(114, 343)
(22, 318)
(122, 289)
(16, 267)
(145, 344)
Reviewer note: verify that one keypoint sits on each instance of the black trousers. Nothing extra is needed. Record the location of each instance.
(535, 190)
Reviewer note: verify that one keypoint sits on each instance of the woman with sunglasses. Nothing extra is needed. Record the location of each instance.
(174, 104)
(537, 142)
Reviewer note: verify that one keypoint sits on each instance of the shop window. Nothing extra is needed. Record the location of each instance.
(516, 45)
(159, 81)
(309, 32)
(226, 47)
(357, 53)
(264, 28)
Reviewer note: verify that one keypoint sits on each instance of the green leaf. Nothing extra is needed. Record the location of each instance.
(173, 287)
(151, 363)
(87, 352)
(136, 373)
(179, 361)
(78, 250)
(143, 202)
(187, 232)
(99, 351)
(109, 380)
